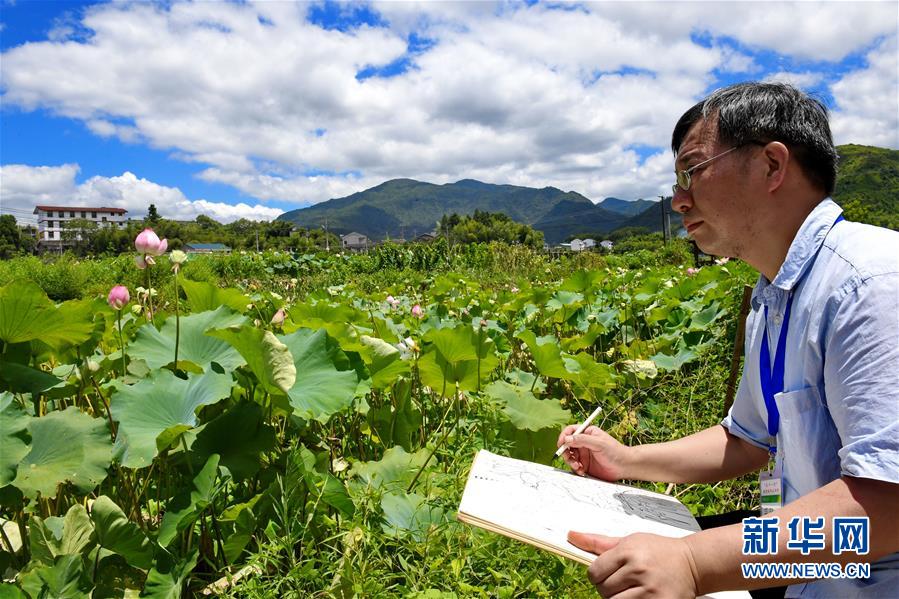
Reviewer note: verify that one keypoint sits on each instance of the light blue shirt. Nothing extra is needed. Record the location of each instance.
(839, 411)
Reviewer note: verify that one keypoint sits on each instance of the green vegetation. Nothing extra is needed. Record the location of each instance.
(486, 227)
(323, 451)
(868, 185)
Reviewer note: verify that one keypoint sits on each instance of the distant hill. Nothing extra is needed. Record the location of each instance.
(868, 184)
(867, 187)
(626, 207)
(405, 207)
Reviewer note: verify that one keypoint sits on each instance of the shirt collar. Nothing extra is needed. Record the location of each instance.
(803, 249)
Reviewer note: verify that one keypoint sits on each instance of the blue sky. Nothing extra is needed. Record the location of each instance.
(243, 109)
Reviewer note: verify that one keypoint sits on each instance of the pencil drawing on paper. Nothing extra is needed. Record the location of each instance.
(526, 488)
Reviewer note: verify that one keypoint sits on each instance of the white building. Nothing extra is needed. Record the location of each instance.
(51, 220)
(579, 245)
(354, 241)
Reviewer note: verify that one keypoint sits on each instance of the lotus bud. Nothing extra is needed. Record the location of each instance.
(177, 258)
(148, 242)
(278, 318)
(118, 297)
(692, 271)
(417, 312)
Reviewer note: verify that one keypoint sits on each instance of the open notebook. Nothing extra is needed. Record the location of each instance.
(539, 504)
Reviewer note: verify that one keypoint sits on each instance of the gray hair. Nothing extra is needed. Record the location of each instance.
(765, 112)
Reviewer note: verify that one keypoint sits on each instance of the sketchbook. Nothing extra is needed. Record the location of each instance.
(539, 504)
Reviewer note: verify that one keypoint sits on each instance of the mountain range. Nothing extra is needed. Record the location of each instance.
(404, 208)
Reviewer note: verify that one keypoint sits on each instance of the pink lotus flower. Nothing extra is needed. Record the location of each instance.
(692, 271)
(278, 318)
(118, 297)
(393, 301)
(147, 242)
(417, 312)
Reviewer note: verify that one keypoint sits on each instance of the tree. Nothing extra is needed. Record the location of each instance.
(152, 215)
(80, 233)
(10, 241)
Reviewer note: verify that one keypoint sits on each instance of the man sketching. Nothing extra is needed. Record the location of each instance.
(817, 409)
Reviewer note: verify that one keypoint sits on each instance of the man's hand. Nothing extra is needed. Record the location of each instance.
(593, 452)
(639, 565)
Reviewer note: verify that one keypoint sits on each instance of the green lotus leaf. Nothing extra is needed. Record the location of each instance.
(8, 591)
(583, 281)
(526, 411)
(157, 347)
(410, 514)
(27, 314)
(204, 296)
(343, 323)
(65, 579)
(321, 388)
(666, 362)
(185, 507)
(587, 373)
(703, 319)
(455, 345)
(121, 536)
(65, 446)
(166, 579)
(52, 537)
(267, 357)
(238, 436)
(13, 436)
(546, 353)
(384, 362)
(394, 471)
(332, 491)
(146, 410)
(452, 359)
(44, 536)
(24, 379)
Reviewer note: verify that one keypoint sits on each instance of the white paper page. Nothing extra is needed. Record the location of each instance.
(544, 503)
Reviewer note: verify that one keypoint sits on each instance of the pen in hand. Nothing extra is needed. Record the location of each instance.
(580, 429)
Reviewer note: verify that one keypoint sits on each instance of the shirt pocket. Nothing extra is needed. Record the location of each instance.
(807, 442)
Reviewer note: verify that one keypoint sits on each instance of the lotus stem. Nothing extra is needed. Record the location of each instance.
(177, 321)
(121, 343)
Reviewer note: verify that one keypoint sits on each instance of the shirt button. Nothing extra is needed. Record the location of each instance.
(778, 318)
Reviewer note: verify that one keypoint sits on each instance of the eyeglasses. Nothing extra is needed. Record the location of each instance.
(684, 177)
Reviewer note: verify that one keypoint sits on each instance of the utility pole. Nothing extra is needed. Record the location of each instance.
(257, 237)
(666, 219)
(327, 241)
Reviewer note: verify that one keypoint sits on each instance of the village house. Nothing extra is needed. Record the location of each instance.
(354, 241)
(51, 222)
(206, 248)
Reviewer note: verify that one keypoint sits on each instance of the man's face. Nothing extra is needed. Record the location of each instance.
(717, 210)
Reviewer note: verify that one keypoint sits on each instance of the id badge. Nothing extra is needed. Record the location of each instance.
(771, 485)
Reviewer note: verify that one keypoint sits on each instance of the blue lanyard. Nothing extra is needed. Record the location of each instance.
(772, 376)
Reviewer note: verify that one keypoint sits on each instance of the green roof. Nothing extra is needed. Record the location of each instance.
(206, 246)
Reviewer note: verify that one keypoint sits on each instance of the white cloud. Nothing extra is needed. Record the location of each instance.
(805, 80)
(258, 97)
(24, 187)
(867, 100)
